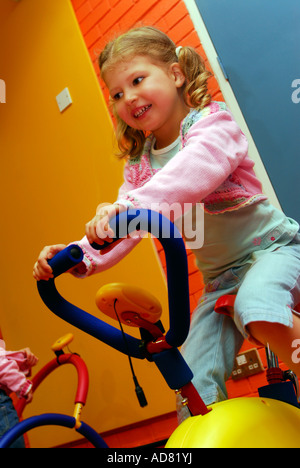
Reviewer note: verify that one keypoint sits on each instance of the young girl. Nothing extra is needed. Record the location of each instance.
(15, 367)
(182, 148)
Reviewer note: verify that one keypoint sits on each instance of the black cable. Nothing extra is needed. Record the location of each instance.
(138, 389)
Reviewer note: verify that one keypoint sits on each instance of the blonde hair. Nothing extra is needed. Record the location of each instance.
(151, 42)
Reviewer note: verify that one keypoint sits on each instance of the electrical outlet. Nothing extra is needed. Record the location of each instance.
(247, 364)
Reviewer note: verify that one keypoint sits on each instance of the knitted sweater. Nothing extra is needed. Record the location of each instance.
(212, 167)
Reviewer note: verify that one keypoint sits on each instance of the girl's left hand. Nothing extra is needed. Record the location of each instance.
(29, 397)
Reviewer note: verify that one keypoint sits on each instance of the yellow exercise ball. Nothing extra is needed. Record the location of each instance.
(241, 423)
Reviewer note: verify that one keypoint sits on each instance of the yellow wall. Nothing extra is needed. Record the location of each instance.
(55, 169)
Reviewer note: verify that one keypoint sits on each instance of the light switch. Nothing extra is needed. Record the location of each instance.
(64, 99)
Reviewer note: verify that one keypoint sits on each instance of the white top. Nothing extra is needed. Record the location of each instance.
(159, 158)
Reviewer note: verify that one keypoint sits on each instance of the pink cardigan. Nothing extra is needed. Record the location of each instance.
(212, 167)
(13, 371)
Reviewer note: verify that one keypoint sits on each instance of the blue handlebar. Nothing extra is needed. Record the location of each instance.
(51, 420)
(63, 261)
(177, 278)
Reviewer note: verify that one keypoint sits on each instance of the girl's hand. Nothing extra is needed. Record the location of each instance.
(41, 269)
(29, 397)
(98, 229)
(31, 359)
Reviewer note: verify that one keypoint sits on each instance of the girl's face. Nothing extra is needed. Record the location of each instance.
(147, 96)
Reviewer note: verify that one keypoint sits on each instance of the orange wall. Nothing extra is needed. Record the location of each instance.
(6, 8)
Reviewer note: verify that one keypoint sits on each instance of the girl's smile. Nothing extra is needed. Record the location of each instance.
(147, 96)
(139, 113)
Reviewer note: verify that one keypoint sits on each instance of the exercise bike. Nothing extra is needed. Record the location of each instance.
(267, 421)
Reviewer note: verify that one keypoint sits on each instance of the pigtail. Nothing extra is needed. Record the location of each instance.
(196, 90)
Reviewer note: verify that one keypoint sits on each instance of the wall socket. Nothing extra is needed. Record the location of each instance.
(247, 364)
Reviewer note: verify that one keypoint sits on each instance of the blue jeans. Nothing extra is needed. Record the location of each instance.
(267, 289)
(9, 418)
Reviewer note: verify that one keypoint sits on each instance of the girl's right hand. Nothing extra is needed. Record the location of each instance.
(42, 269)
(98, 229)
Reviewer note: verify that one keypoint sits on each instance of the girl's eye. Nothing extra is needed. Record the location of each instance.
(138, 80)
(117, 96)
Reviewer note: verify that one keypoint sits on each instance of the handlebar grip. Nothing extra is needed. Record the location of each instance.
(139, 219)
(120, 227)
(66, 259)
